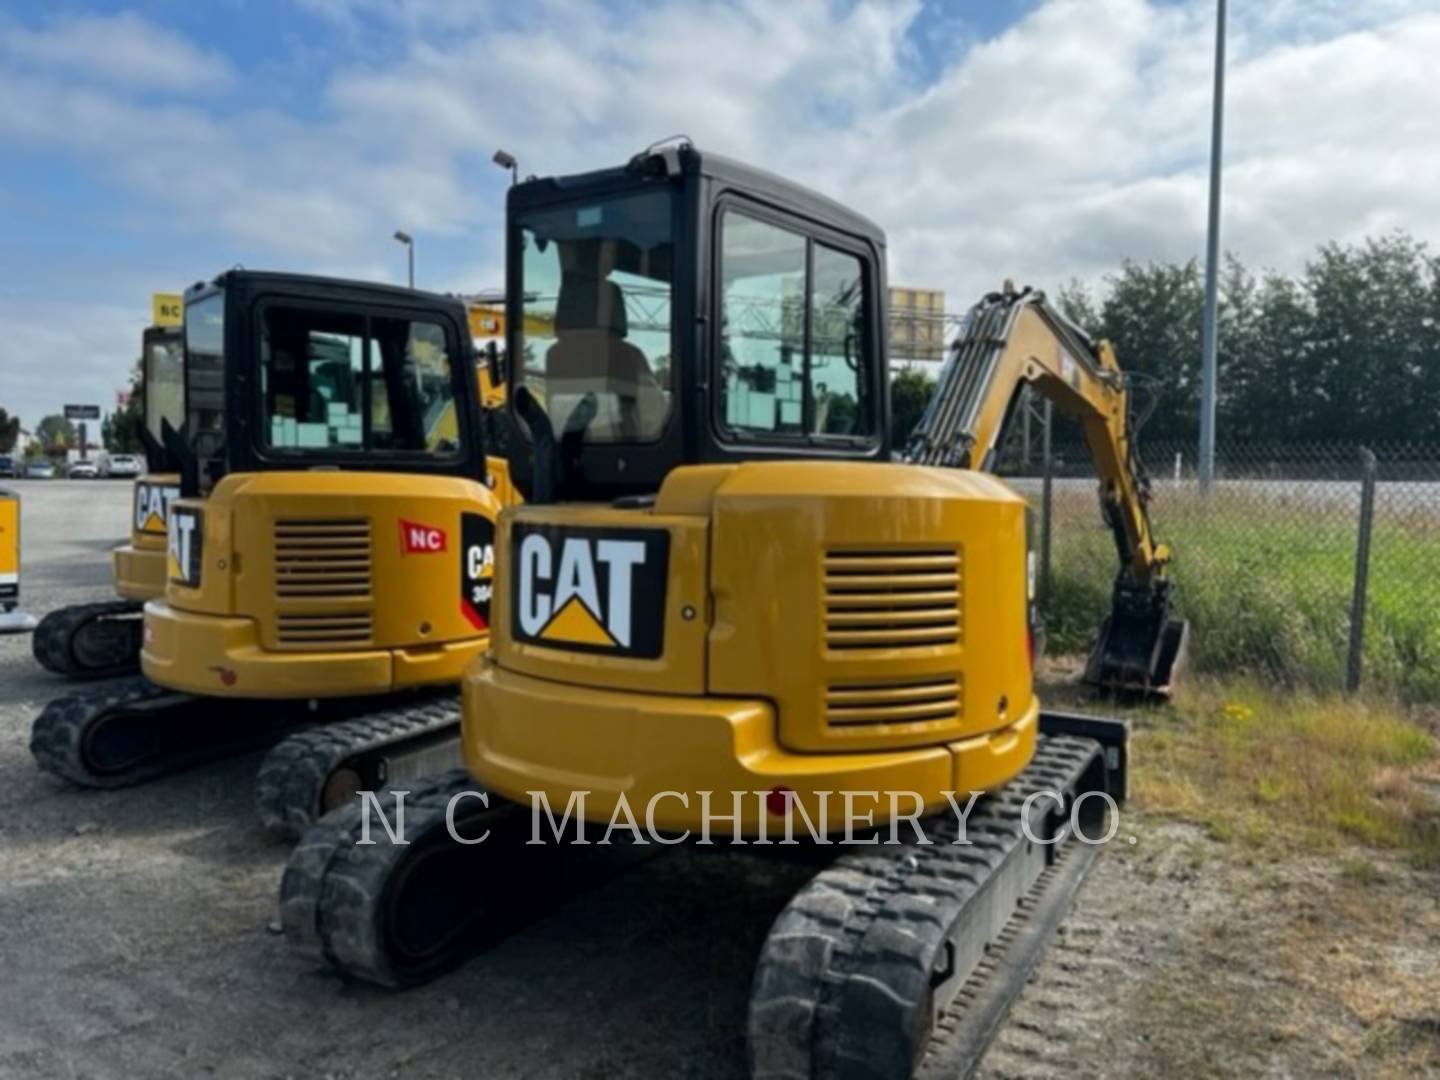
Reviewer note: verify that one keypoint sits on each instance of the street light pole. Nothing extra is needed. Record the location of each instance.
(409, 242)
(1210, 345)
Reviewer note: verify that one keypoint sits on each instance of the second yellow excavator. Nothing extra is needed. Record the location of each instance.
(329, 553)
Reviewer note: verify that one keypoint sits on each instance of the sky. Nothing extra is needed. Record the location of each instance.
(146, 146)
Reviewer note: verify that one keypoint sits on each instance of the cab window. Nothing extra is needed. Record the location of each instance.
(344, 382)
(595, 341)
(794, 335)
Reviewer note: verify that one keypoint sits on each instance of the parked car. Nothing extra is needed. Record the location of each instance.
(9, 466)
(82, 470)
(39, 469)
(120, 465)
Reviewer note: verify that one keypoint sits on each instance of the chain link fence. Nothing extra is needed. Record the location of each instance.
(1313, 565)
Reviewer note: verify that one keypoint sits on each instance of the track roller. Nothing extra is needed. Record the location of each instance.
(310, 773)
(399, 915)
(901, 955)
(91, 641)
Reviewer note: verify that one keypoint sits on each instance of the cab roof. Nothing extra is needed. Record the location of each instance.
(314, 284)
(726, 172)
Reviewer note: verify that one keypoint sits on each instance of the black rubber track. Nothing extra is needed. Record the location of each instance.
(131, 730)
(401, 915)
(336, 895)
(856, 968)
(291, 783)
(58, 735)
(91, 641)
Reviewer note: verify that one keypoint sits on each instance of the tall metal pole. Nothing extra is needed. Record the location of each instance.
(409, 242)
(1212, 264)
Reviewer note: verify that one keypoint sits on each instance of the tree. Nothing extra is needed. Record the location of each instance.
(55, 434)
(1371, 354)
(120, 431)
(1077, 305)
(1152, 316)
(910, 392)
(9, 432)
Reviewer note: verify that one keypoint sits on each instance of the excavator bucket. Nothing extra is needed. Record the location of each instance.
(1141, 650)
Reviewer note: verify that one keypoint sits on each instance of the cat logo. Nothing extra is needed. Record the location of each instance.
(477, 568)
(184, 545)
(591, 590)
(152, 505)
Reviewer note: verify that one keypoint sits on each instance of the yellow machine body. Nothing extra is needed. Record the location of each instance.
(824, 626)
(323, 584)
(140, 562)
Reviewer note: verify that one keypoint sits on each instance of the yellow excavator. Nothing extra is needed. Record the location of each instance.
(730, 610)
(102, 640)
(331, 547)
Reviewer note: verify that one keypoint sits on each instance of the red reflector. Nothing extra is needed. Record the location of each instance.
(777, 800)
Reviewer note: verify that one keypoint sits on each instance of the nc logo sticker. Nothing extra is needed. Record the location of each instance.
(591, 590)
(152, 505)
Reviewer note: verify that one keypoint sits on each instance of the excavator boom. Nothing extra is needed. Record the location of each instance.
(1017, 339)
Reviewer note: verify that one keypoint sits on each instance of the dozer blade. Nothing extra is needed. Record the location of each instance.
(1141, 650)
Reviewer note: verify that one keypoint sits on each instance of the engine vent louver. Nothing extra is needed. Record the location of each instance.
(317, 561)
(893, 599)
(929, 702)
(322, 559)
(316, 631)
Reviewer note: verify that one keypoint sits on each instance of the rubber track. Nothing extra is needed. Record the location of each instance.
(843, 984)
(57, 734)
(292, 778)
(333, 891)
(53, 640)
(339, 899)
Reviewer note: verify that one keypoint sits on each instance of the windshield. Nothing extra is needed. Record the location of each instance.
(205, 375)
(164, 389)
(340, 381)
(596, 287)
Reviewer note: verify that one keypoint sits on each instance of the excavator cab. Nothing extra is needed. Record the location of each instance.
(140, 565)
(667, 314)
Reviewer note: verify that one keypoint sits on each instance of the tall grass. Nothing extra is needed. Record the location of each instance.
(1298, 770)
(1266, 584)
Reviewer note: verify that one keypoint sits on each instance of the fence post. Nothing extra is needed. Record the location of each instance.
(1047, 516)
(1362, 570)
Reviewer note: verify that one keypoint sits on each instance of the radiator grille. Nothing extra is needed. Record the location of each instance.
(893, 599)
(325, 559)
(933, 701)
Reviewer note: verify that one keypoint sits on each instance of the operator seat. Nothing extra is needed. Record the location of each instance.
(591, 356)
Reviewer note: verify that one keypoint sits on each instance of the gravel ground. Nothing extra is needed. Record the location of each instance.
(136, 933)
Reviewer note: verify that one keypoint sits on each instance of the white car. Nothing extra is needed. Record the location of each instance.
(82, 470)
(121, 465)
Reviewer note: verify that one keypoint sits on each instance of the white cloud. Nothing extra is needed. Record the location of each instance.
(122, 48)
(50, 357)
